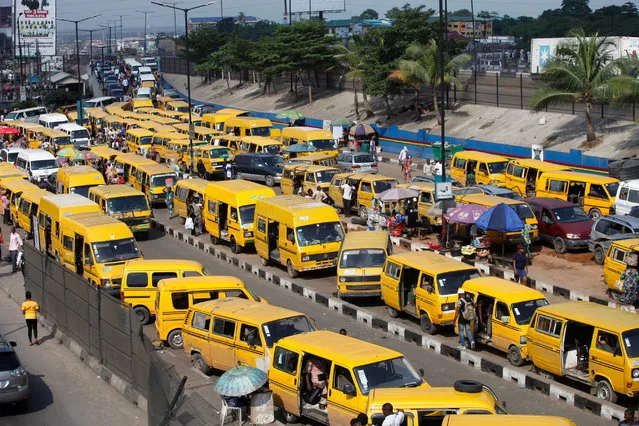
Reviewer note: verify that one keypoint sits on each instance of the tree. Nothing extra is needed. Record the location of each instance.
(580, 73)
(369, 14)
(484, 14)
(461, 12)
(576, 7)
(423, 68)
(203, 41)
(351, 62)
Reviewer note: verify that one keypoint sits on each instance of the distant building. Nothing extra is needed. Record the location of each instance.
(347, 28)
(196, 22)
(463, 25)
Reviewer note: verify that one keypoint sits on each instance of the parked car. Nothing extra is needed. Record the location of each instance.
(499, 191)
(13, 377)
(608, 229)
(431, 179)
(203, 109)
(564, 225)
(260, 167)
(363, 162)
(172, 93)
(627, 196)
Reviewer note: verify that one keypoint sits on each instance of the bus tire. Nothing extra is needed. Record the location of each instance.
(605, 391)
(292, 272)
(142, 314)
(235, 248)
(175, 339)
(264, 262)
(594, 214)
(514, 356)
(427, 324)
(290, 418)
(198, 362)
(600, 255)
(392, 312)
(214, 240)
(468, 386)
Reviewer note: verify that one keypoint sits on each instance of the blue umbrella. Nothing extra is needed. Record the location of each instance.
(501, 218)
(240, 381)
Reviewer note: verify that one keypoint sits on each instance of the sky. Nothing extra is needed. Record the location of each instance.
(272, 9)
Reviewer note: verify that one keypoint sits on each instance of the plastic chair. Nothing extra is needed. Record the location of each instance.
(226, 410)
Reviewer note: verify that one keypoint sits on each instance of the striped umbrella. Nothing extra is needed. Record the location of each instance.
(240, 381)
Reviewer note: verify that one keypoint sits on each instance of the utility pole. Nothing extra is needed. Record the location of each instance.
(222, 9)
(145, 13)
(121, 36)
(91, 43)
(109, 40)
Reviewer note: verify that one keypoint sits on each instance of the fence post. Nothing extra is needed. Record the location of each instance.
(100, 324)
(475, 84)
(573, 107)
(521, 91)
(633, 110)
(454, 94)
(602, 110)
(497, 87)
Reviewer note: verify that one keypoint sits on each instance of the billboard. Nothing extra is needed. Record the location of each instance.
(542, 49)
(303, 6)
(36, 26)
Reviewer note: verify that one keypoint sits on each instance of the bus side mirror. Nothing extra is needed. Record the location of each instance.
(421, 372)
(349, 390)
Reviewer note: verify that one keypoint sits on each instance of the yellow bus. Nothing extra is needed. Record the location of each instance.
(322, 140)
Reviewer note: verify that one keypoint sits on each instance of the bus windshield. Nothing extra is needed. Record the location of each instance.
(133, 203)
(161, 180)
(323, 144)
(117, 250)
(261, 131)
(320, 233)
(278, 329)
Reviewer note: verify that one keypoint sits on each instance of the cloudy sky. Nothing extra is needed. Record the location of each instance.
(274, 9)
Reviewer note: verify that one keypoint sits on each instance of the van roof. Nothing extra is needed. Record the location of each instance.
(486, 200)
(369, 239)
(129, 157)
(54, 133)
(68, 200)
(248, 310)
(102, 223)
(34, 195)
(99, 99)
(196, 184)
(140, 132)
(418, 186)
(115, 191)
(199, 283)
(508, 291)
(308, 131)
(12, 173)
(484, 156)
(509, 420)
(538, 164)
(79, 170)
(240, 190)
(17, 185)
(299, 206)
(364, 176)
(629, 183)
(587, 312)
(54, 116)
(36, 154)
(151, 264)
(436, 263)
(231, 111)
(426, 397)
(249, 121)
(260, 140)
(586, 177)
(551, 203)
(155, 168)
(70, 126)
(303, 167)
(348, 351)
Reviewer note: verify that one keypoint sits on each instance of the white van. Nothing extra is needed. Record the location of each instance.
(627, 196)
(37, 163)
(145, 70)
(100, 102)
(147, 77)
(29, 115)
(10, 154)
(150, 62)
(144, 92)
(51, 121)
(79, 135)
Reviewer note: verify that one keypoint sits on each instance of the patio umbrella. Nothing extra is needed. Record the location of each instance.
(291, 114)
(500, 218)
(466, 214)
(9, 131)
(362, 130)
(240, 381)
(68, 151)
(301, 147)
(396, 194)
(85, 156)
(342, 122)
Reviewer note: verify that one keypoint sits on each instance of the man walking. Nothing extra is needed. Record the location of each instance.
(30, 310)
(520, 265)
(403, 155)
(347, 195)
(15, 244)
(463, 316)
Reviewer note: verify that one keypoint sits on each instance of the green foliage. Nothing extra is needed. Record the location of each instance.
(578, 8)
(203, 41)
(29, 103)
(461, 12)
(369, 14)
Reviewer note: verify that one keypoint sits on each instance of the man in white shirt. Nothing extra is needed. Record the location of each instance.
(403, 155)
(15, 244)
(391, 419)
(347, 195)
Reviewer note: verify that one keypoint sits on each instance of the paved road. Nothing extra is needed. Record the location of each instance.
(439, 370)
(63, 390)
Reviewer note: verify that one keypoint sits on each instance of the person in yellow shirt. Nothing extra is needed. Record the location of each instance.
(30, 310)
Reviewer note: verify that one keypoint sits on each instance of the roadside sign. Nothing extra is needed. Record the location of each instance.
(443, 191)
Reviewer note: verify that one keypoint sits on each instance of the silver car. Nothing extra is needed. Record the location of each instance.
(608, 229)
(363, 162)
(14, 383)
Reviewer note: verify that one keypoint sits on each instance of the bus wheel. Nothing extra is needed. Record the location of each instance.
(604, 391)
(514, 356)
(292, 272)
(235, 248)
(427, 324)
(214, 240)
(142, 314)
(175, 339)
(600, 255)
(363, 212)
(594, 214)
(290, 418)
(392, 312)
(264, 261)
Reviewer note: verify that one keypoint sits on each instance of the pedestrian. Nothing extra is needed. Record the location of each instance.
(30, 310)
(390, 418)
(168, 199)
(438, 168)
(347, 194)
(408, 172)
(520, 265)
(403, 154)
(6, 217)
(628, 418)
(15, 244)
(464, 315)
(196, 207)
(470, 178)
(1, 242)
(525, 240)
(373, 146)
(343, 332)
(319, 194)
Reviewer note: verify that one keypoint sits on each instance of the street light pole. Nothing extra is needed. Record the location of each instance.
(109, 40)
(77, 54)
(472, 13)
(188, 65)
(145, 13)
(91, 43)
(20, 50)
(442, 86)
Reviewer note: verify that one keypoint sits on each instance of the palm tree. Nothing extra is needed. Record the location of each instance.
(351, 61)
(423, 68)
(582, 72)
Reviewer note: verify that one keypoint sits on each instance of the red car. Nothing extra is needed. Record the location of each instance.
(564, 225)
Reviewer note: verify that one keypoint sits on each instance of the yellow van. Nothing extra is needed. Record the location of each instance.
(177, 149)
(35, 136)
(428, 406)
(126, 204)
(196, 120)
(103, 151)
(361, 259)
(300, 233)
(522, 174)
(9, 174)
(216, 120)
(615, 261)
(488, 169)
(113, 122)
(137, 103)
(96, 247)
(299, 178)
(152, 180)
(96, 118)
(238, 330)
(162, 101)
(78, 180)
(140, 278)
(56, 139)
(138, 140)
(213, 158)
(351, 367)
(160, 141)
(424, 285)
(595, 193)
(510, 420)
(129, 163)
(425, 201)
(367, 187)
(73, 118)
(231, 142)
(149, 110)
(229, 211)
(13, 189)
(589, 343)
(51, 210)
(521, 208)
(503, 314)
(165, 121)
(175, 296)
(6, 165)
(28, 203)
(316, 159)
(114, 107)
(249, 126)
(185, 191)
(322, 140)
(260, 144)
(178, 106)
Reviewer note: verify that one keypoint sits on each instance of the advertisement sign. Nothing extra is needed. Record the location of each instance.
(537, 152)
(36, 26)
(303, 6)
(542, 49)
